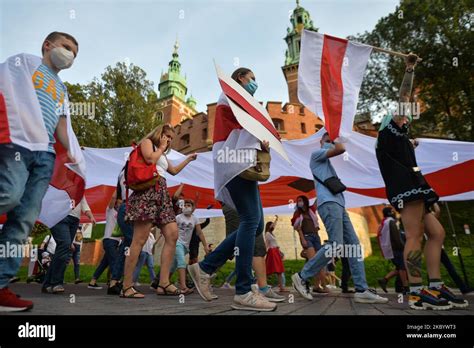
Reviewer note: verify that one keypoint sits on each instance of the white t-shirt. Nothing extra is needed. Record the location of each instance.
(51, 247)
(186, 226)
(82, 207)
(110, 223)
(270, 241)
(162, 165)
(148, 247)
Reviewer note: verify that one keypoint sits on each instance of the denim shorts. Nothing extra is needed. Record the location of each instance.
(313, 241)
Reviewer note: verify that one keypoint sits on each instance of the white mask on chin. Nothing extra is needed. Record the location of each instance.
(61, 58)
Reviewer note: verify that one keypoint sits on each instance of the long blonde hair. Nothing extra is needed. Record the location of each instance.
(156, 133)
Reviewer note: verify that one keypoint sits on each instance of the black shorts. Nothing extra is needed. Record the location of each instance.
(194, 246)
(260, 249)
(398, 260)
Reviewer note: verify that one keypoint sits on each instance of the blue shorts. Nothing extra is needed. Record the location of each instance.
(313, 241)
(179, 257)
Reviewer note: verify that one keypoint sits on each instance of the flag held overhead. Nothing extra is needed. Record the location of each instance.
(250, 114)
(330, 74)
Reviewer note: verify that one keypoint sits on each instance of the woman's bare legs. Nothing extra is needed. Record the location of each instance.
(435, 232)
(259, 266)
(141, 231)
(170, 232)
(412, 218)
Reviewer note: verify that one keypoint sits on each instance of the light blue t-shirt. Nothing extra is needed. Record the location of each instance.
(50, 91)
(323, 169)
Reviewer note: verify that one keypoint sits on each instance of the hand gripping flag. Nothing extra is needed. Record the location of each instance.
(330, 74)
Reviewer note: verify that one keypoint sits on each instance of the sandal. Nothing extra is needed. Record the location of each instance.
(135, 293)
(167, 292)
(188, 291)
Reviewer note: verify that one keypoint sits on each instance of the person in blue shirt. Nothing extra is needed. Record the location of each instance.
(27, 154)
(342, 239)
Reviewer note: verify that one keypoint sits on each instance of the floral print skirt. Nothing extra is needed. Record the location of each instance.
(153, 204)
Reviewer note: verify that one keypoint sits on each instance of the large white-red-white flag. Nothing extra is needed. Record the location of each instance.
(330, 74)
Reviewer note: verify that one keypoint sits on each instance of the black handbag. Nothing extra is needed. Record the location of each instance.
(333, 184)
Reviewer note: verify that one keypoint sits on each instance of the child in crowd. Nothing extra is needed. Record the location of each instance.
(186, 224)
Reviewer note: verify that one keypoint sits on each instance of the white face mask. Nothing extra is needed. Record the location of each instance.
(301, 204)
(187, 211)
(61, 58)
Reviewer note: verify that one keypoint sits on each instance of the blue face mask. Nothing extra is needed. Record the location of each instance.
(251, 87)
(327, 146)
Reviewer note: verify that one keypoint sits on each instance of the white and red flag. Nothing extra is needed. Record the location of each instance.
(250, 114)
(241, 123)
(330, 74)
(21, 123)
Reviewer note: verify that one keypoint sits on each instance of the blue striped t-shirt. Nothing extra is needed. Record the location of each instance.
(50, 91)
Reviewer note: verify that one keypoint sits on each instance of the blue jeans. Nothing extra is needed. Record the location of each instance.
(76, 259)
(109, 258)
(63, 233)
(246, 197)
(24, 179)
(127, 230)
(230, 277)
(144, 259)
(340, 232)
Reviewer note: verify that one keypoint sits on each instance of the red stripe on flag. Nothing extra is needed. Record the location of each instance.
(4, 127)
(245, 105)
(225, 122)
(65, 179)
(332, 89)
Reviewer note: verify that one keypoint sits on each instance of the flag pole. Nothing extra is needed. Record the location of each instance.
(393, 53)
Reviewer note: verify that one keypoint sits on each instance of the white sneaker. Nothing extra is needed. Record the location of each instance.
(301, 286)
(271, 295)
(369, 296)
(213, 294)
(252, 301)
(201, 281)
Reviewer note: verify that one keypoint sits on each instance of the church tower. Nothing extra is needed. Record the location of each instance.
(174, 107)
(300, 19)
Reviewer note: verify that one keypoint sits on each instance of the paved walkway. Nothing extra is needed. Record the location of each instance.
(80, 300)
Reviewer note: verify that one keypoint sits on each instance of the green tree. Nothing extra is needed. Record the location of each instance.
(441, 33)
(124, 107)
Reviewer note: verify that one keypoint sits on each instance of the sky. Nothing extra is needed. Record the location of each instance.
(243, 32)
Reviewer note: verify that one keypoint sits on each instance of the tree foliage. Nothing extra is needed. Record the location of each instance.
(124, 104)
(441, 33)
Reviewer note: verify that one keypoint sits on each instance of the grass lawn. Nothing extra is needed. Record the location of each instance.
(375, 267)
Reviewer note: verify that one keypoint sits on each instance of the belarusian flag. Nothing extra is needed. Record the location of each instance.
(330, 74)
